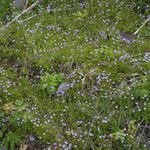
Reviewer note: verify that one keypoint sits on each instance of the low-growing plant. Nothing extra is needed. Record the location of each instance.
(10, 140)
(50, 83)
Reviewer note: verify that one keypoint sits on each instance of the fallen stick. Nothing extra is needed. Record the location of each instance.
(23, 12)
(25, 6)
(146, 21)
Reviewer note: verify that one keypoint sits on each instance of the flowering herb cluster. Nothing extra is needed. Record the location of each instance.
(76, 79)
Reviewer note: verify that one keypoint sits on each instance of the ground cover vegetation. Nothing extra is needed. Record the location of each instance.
(73, 76)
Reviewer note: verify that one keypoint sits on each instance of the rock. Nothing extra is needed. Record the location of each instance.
(147, 57)
(23, 147)
(63, 87)
(19, 4)
(47, 148)
(31, 138)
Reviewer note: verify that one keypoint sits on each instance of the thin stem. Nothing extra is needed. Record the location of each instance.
(137, 31)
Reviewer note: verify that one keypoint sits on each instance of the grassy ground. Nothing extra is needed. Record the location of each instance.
(76, 79)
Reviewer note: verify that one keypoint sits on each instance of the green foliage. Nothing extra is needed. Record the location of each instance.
(118, 135)
(141, 90)
(11, 140)
(89, 45)
(142, 6)
(131, 127)
(50, 83)
(5, 9)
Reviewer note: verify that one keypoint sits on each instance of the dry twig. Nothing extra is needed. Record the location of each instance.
(145, 22)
